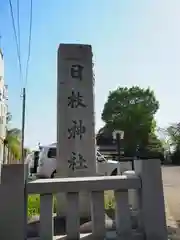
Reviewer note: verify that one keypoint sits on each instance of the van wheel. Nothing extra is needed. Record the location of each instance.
(114, 172)
(53, 174)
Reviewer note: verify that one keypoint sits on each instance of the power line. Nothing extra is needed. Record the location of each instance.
(16, 39)
(29, 44)
(18, 28)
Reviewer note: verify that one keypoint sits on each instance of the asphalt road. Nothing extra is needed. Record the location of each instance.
(171, 182)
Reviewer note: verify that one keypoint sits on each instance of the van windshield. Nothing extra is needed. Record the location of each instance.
(51, 153)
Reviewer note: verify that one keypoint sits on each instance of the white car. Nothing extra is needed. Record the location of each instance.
(47, 163)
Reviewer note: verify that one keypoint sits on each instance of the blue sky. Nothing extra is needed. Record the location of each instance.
(134, 43)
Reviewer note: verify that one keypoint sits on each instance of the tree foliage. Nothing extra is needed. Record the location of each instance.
(174, 134)
(13, 141)
(154, 143)
(13, 138)
(175, 157)
(131, 110)
(164, 138)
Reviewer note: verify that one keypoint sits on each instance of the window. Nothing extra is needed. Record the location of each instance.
(51, 153)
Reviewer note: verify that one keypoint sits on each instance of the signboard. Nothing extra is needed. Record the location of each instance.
(75, 111)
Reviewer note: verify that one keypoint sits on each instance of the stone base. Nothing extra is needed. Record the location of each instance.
(33, 228)
(84, 205)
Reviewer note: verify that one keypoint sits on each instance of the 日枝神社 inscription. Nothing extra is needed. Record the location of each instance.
(76, 162)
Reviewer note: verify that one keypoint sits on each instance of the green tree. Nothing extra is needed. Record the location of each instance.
(131, 110)
(154, 143)
(13, 141)
(174, 134)
(13, 138)
(164, 138)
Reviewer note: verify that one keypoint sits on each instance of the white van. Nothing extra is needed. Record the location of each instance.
(47, 163)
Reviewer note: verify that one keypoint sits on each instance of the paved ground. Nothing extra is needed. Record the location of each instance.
(171, 181)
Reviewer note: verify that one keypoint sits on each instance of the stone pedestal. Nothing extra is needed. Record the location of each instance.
(75, 118)
(152, 199)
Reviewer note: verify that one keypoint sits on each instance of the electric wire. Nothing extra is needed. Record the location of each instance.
(29, 44)
(16, 40)
(18, 27)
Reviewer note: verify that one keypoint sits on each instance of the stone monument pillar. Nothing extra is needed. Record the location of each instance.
(75, 119)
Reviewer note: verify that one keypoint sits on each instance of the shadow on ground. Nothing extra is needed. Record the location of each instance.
(60, 225)
(173, 233)
(86, 226)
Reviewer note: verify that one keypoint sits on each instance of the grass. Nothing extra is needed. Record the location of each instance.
(109, 202)
(34, 203)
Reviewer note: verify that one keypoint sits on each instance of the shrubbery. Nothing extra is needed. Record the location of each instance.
(175, 157)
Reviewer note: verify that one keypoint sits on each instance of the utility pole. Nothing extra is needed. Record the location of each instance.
(23, 123)
(118, 135)
(118, 142)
